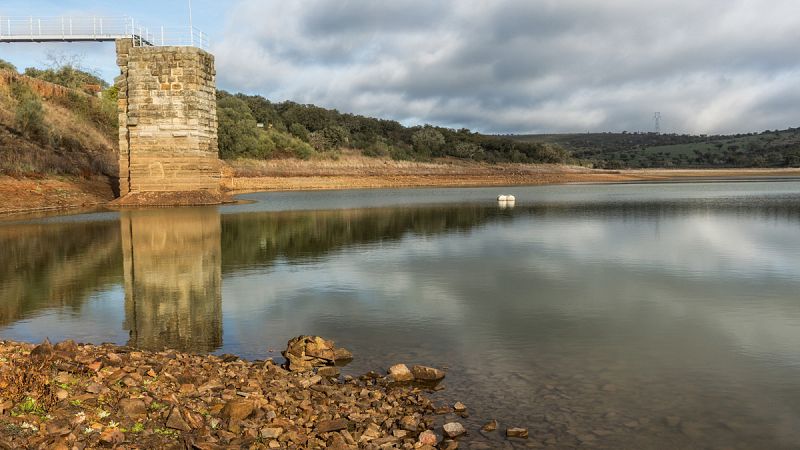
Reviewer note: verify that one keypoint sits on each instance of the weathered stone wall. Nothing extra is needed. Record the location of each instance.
(168, 125)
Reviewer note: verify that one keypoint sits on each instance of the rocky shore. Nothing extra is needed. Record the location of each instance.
(71, 396)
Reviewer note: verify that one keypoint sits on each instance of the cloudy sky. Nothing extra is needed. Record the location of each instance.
(498, 66)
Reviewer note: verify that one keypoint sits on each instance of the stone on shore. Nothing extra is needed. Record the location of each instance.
(327, 426)
(425, 373)
(237, 409)
(400, 372)
(428, 437)
(110, 396)
(304, 353)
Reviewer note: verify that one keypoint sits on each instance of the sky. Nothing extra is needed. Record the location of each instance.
(495, 66)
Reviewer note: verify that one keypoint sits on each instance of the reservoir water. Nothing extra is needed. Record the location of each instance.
(658, 315)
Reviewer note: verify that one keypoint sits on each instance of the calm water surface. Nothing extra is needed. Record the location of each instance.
(611, 316)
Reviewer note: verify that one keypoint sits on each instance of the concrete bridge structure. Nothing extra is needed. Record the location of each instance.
(168, 152)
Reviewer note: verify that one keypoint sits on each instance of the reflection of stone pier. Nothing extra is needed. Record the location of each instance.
(173, 278)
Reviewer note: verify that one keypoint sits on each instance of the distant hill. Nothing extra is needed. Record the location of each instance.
(779, 148)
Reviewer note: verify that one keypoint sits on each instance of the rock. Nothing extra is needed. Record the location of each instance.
(409, 423)
(400, 372)
(425, 373)
(176, 422)
(342, 355)
(42, 350)
(133, 408)
(459, 407)
(449, 445)
(94, 388)
(489, 426)
(400, 434)
(326, 426)
(428, 438)
(68, 346)
(329, 371)
(453, 429)
(303, 353)
(306, 382)
(61, 394)
(270, 432)
(237, 409)
(517, 433)
(112, 436)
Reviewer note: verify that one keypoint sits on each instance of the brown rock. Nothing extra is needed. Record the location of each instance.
(428, 437)
(237, 409)
(133, 407)
(176, 422)
(42, 350)
(94, 388)
(68, 346)
(326, 426)
(489, 426)
(517, 433)
(425, 373)
(329, 371)
(409, 423)
(400, 372)
(453, 429)
(270, 432)
(459, 407)
(112, 436)
(342, 354)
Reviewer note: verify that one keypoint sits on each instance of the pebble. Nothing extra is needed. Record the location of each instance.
(517, 433)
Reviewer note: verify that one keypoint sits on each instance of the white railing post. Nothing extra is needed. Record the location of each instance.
(94, 27)
(62, 27)
(70, 25)
(1, 25)
(31, 31)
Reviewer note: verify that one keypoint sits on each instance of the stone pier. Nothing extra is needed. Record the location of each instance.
(167, 126)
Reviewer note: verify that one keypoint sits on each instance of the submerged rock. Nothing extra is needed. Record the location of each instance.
(425, 373)
(489, 426)
(521, 433)
(453, 429)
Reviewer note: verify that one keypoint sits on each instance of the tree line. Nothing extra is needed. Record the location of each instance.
(252, 126)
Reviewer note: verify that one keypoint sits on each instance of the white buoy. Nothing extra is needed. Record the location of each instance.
(510, 198)
(502, 198)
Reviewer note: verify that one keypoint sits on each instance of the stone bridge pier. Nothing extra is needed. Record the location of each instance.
(168, 152)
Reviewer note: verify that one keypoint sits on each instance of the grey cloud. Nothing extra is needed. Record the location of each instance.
(524, 66)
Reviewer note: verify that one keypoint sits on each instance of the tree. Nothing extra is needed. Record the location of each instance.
(329, 138)
(238, 134)
(428, 142)
(299, 131)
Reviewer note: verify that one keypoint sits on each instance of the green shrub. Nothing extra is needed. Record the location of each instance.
(299, 131)
(29, 114)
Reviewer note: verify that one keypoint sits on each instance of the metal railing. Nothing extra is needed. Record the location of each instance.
(95, 28)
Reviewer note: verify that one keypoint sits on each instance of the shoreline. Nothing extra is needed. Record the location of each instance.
(67, 394)
(22, 196)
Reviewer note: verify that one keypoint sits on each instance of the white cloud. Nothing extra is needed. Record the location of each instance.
(519, 65)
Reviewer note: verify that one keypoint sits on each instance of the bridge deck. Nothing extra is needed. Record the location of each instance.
(95, 29)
